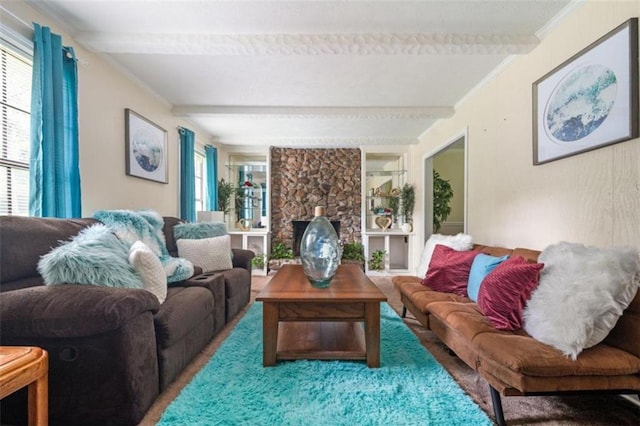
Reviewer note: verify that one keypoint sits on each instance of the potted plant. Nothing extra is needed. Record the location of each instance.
(376, 262)
(353, 252)
(281, 251)
(408, 195)
(394, 204)
(442, 194)
(225, 190)
(258, 261)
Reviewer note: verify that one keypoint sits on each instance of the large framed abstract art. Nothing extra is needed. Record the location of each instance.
(590, 100)
(146, 148)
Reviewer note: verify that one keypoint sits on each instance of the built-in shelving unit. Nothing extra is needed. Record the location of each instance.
(250, 202)
(384, 175)
(248, 216)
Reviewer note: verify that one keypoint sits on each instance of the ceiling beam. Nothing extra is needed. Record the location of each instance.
(315, 112)
(307, 44)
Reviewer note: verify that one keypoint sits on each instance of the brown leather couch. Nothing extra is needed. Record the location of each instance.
(111, 350)
(515, 364)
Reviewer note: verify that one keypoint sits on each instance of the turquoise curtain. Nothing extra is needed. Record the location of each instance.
(211, 153)
(187, 175)
(54, 173)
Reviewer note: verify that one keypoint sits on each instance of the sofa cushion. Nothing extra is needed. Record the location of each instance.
(582, 293)
(95, 256)
(19, 261)
(149, 268)
(182, 311)
(449, 270)
(505, 291)
(482, 265)
(422, 297)
(210, 254)
(520, 353)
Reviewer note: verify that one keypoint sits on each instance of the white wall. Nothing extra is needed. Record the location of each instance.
(103, 94)
(593, 198)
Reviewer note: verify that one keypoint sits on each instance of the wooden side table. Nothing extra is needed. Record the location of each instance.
(22, 366)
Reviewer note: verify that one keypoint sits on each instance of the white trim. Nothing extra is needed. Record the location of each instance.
(463, 134)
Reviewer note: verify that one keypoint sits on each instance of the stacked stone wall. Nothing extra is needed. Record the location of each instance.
(304, 178)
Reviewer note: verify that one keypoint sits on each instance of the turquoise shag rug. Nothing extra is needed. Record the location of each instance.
(409, 388)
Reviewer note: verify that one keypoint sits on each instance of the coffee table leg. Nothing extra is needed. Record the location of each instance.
(372, 333)
(269, 333)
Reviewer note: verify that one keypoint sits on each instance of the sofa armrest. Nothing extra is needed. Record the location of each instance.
(71, 310)
(242, 258)
(214, 282)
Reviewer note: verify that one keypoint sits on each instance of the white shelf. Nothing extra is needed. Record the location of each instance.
(256, 240)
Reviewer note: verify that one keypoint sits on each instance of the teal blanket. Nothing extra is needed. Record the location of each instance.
(146, 226)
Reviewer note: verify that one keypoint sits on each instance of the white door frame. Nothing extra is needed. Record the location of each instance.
(427, 179)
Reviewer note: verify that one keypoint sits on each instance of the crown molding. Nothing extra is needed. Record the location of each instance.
(307, 44)
(352, 113)
(319, 142)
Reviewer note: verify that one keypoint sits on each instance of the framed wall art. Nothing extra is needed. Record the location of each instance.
(146, 148)
(590, 100)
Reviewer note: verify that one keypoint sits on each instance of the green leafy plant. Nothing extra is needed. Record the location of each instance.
(258, 261)
(408, 195)
(353, 251)
(394, 203)
(376, 262)
(225, 190)
(442, 194)
(281, 251)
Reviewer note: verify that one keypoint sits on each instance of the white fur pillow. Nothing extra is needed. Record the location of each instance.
(148, 267)
(582, 293)
(210, 254)
(457, 242)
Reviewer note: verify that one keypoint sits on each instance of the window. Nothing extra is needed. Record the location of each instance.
(15, 100)
(201, 181)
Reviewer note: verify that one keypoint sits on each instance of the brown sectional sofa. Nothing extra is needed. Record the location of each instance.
(111, 350)
(515, 364)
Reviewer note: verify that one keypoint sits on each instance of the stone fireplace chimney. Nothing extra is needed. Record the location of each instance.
(304, 178)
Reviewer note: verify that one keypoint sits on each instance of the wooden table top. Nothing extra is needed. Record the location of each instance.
(350, 284)
(12, 357)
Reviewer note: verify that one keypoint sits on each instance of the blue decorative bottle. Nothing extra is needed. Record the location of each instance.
(319, 250)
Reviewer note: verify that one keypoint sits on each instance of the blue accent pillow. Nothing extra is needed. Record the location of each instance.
(198, 231)
(482, 265)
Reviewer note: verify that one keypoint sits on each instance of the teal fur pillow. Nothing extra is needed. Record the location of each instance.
(94, 256)
(198, 231)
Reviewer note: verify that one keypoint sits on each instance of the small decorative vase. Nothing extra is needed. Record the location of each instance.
(406, 227)
(244, 224)
(319, 250)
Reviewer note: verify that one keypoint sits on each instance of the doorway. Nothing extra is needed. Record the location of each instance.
(449, 163)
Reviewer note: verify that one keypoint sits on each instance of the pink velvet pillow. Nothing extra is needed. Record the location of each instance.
(449, 270)
(505, 291)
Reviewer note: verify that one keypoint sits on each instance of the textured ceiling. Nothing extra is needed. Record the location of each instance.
(308, 73)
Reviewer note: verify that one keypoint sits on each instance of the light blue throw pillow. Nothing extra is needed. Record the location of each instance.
(94, 256)
(198, 231)
(482, 265)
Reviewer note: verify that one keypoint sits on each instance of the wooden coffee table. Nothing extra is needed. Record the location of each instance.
(304, 322)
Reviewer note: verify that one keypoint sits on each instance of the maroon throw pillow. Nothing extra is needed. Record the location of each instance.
(505, 291)
(449, 270)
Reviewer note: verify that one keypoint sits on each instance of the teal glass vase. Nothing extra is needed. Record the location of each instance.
(320, 250)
